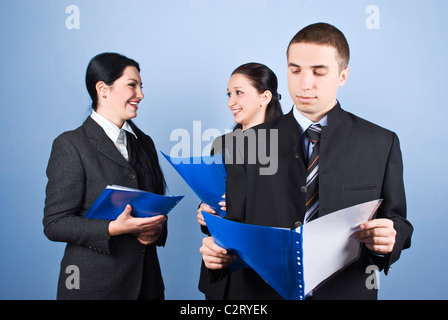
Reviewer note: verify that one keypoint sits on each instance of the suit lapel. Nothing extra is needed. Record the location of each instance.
(132, 149)
(330, 150)
(294, 132)
(296, 160)
(103, 144)
(331, 137)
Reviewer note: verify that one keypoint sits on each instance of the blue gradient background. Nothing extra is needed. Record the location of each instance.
(187, 50)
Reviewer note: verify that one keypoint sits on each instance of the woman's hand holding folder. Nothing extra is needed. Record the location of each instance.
(214, 256)
(205, 207)
(147, 230)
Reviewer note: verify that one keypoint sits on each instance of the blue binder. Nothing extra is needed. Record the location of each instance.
(295, 262)
(113, 200)
(274, 253)
(206, 176)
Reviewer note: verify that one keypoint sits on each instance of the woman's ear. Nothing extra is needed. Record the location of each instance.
(266, 97)
(102, 89)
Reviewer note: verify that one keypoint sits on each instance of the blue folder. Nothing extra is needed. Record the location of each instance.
(113, 200)
(206, 176)
(274, 253)
(295, 262)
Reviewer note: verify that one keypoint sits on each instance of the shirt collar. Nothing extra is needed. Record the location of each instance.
(111, 130)
(304, 122)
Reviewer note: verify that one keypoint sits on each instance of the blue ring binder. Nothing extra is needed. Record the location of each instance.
(300, 283)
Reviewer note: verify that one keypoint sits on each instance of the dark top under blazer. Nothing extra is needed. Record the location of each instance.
(359, 162)
(82, 163)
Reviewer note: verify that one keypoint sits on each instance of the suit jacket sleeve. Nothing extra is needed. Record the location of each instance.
(64, 200)
(235, 194)
(394, 205)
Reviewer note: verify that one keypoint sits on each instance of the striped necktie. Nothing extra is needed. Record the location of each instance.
(121, 145)
(312, 179)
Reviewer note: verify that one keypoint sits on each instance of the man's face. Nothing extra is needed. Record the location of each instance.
(314, 78)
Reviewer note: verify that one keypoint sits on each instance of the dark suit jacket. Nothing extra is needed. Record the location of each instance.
(82, 163)
(359, 162)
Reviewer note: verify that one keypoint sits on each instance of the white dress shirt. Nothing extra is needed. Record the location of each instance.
(112, 131)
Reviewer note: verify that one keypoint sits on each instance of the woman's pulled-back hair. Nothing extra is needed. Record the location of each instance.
(106, 67)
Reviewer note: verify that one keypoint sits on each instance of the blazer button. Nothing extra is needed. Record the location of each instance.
(297, 224)
(303, 189)
(132, 176)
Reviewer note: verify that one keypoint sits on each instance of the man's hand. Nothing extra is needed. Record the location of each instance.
(378, 235)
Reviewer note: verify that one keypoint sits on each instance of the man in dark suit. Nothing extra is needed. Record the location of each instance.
(357, 162)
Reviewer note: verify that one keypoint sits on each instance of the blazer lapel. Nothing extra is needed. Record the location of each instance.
(294, 135)
(132, 149)
(104, 144)
(330, 149)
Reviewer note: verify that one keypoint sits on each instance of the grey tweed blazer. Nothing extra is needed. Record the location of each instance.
(82, 163)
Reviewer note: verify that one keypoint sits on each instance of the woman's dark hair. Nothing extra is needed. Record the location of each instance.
(106, 67)
(263, 78)
(150, 174)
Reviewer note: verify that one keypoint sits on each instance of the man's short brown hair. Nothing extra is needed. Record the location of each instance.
(327, 35)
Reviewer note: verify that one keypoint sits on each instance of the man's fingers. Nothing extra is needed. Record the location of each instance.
(376, 232)
(378, 235)
(377, 223)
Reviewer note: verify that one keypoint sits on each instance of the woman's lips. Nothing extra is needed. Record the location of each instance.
(236, 111)
(134, 104)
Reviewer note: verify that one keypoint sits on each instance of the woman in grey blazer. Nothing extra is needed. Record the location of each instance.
(105, 259)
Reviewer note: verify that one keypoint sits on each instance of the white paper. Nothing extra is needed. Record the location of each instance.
(117, 187)
(328, 245)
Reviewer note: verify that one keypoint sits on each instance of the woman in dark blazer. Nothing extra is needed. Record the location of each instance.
(111, 259)
(253, 99)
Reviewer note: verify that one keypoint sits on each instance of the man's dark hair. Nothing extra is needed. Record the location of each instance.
(327, 35)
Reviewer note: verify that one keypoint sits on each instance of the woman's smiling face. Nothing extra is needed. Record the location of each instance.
(122, 97)
(247, 105)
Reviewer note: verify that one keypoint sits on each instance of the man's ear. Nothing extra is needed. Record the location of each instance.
(343, 76)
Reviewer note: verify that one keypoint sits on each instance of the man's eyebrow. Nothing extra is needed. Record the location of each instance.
(319, 66)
